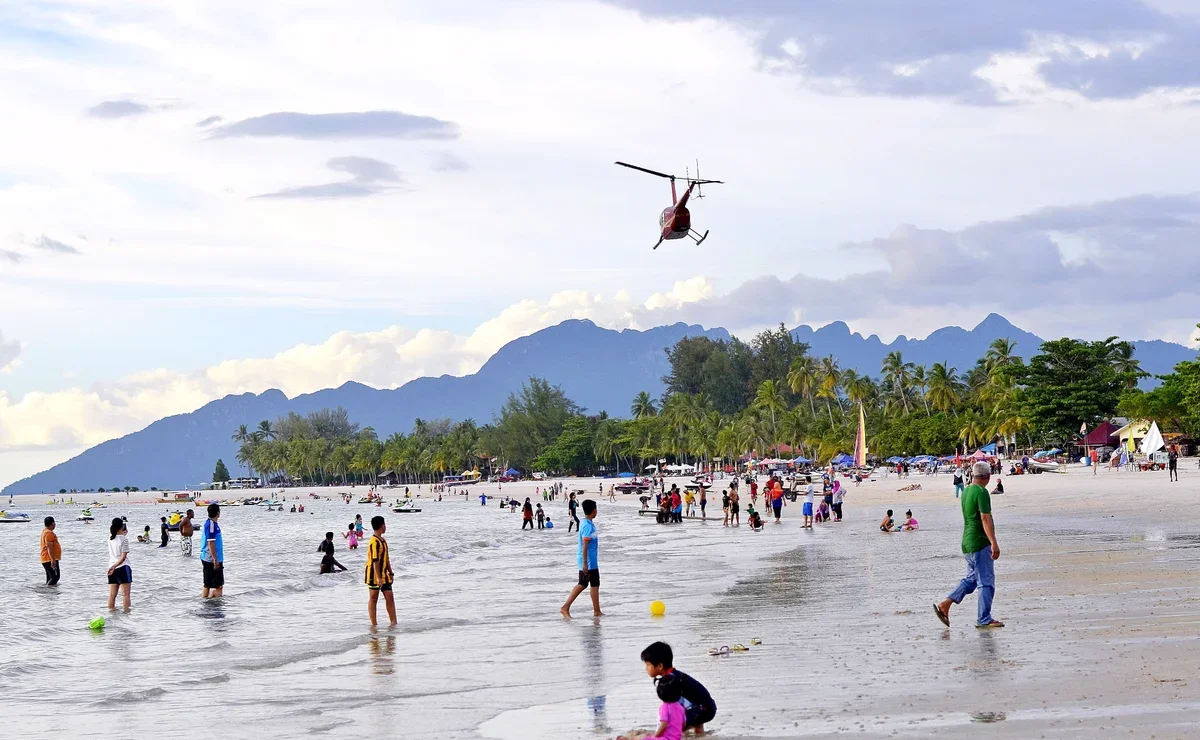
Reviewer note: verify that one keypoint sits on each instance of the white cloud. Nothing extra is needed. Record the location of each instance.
(534, 206)
(8, 352)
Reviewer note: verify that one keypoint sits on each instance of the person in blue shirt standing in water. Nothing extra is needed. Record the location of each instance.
(212, 555)
(588, 560)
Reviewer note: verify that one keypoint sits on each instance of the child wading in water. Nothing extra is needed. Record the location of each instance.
(120, 575)
(378, 575)
(698, 705)
(328, 563)
(351, 537)
(588, 560)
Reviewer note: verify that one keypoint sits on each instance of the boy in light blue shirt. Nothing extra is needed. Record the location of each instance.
(588, 561)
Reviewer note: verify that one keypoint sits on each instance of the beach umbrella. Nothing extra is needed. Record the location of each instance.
(512, 471)
(802, 460)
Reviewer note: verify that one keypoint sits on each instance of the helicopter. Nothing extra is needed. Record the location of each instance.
(676, 221)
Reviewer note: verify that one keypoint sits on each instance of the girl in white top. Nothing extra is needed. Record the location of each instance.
(120, 575)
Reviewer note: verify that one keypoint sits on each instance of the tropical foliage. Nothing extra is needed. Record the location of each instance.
(724, 399)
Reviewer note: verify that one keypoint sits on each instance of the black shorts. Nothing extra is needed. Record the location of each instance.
(733, 508)
(121, 575)
(590, 578)
(385, 587)
(213, 577)
(699, 715)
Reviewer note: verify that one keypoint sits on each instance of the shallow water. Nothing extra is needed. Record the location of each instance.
(289, 651)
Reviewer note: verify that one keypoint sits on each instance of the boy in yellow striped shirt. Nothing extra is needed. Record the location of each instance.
(378, 572)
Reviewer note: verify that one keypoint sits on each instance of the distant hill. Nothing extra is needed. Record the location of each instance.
(960, 348)
(600, 369)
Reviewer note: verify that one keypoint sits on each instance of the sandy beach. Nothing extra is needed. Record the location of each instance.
(1097, 582)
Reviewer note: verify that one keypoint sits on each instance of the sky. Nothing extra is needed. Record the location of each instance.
(201, 197)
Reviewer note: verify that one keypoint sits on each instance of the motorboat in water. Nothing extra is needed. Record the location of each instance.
(85, 516)
(14, 517)
(406, 507)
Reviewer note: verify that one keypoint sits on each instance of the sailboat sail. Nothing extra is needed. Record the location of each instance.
(860, 440)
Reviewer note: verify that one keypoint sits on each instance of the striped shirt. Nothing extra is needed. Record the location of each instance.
(377, 552)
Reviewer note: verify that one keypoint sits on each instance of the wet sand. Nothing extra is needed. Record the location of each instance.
(1097, 581)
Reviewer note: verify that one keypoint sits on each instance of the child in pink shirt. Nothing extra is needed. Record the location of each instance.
(352, 537)
(671, 714)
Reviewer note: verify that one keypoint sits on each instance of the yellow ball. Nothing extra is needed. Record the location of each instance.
(657, 608)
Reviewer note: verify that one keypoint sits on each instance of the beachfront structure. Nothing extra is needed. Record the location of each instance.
(1131, 435)
(1099, 438)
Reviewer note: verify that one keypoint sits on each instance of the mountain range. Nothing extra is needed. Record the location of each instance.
(599, 369)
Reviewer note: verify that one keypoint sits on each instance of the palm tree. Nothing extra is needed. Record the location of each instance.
(944, 387)
(245, 438)
(265, 430)
(802, 379)
(605, 443)
(898, 374)
(793, 427)
(643, 405)
(830, 376)
(1122, 361)
(769, 398)
(972, 431)
(859, 388)
(921, 382)
(245, 454)
(1000, 354)
(727, 443)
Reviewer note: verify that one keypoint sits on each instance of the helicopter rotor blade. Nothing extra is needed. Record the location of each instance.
(643, 169)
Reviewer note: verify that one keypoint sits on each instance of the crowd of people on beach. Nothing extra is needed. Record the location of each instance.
(120, 569)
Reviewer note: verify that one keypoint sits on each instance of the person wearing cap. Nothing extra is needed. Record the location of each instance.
(980, 548)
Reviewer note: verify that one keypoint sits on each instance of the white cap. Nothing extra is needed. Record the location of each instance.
(981, 470)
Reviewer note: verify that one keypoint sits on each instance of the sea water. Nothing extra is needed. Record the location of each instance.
(289, 652)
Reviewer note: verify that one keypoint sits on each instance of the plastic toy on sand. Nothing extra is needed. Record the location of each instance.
(657, 608)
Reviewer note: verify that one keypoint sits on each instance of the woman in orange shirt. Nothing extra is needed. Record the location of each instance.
(51, 552)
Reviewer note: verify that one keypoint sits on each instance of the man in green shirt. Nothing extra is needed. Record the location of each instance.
(980, 548)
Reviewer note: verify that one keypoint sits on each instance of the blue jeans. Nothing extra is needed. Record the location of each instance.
(981, 574)
(958, 489)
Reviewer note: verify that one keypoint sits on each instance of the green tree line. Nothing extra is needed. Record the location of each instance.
(724, 399)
